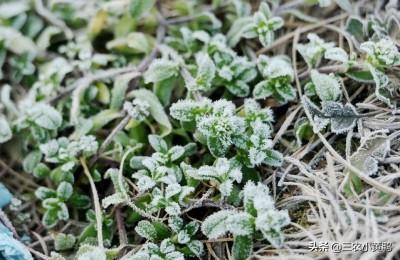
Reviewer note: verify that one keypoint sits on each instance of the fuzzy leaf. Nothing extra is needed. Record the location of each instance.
(337, 54)
(214, 225)
(64, 190)
(156, 109)
(31, 161)
(242, 247)
(343, 118)
(45, 116)
(327, 87)
(158, 144)
(145, 229)
(64, 241)
(196, 247)
(159, 70)
(273, 158)
(119, 90)
(240, 224)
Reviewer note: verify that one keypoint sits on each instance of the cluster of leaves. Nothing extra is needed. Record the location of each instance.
(259, 215)
(155, 115)
(221, 126)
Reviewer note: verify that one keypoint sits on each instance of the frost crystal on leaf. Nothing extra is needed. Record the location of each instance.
(137, 109)
(314, 50)
(381, 53)
(326, 86)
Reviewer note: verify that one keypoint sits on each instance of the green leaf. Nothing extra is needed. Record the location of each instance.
(239, 28)
(64, 190)
(133, 43)
(16, 42)
(158, 144)
(103, 118)
(163, 90)
(327, 87)
(41, 170)
(355, 26)
(31, 161)
(79, 201)
(156, 109)
(160, 69)
(176, 152)
(64, 241)
(214, 225)
(45, 116)
(119, 90)
(161, 229)
(138, 8)
(205, 71)
(43, 193)
(273, 158)
(263, 89)
(50, 218)
(145, 229)
(242, 247)
(239, 88)
(303, 130)
(363, 76)
(353, 183)
(343, 118)
(5, 131)
(216, 146)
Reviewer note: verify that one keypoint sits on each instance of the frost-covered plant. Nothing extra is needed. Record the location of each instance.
(64, 153)
(89, 233)
(170, 200)
(223, 173)
(380, 56)
(278, 74)
(221, 127)
(261, 25)
(137, 109)
(184, 235)
(91, 252)
(235, 73)
(314, 50)
(162, 166)
(266, 24)
(165, 251)
(86, 118)
(177, 233)
(161, 69)
(382, 53)
(54, 203)
(204, 75)
(259, 215)
(41, 119)
(51, 75)
(341, 117)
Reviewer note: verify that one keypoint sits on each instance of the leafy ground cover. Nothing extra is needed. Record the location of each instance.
(224, 129)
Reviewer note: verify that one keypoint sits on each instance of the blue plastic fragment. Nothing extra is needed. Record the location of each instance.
(10, 248)
(5, 196)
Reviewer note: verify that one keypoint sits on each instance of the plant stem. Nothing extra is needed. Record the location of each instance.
(96, 200)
